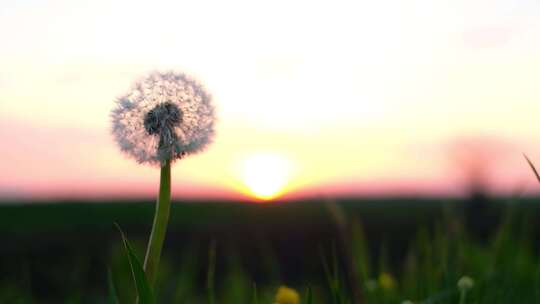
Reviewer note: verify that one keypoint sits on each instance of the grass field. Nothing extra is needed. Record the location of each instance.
(389, 250)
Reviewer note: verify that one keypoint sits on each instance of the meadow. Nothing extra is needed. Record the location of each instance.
(327, 101)
(391, 250)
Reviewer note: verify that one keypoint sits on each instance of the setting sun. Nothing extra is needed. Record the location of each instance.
(266, 175)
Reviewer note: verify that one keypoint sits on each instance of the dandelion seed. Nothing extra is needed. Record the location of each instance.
(164, 117)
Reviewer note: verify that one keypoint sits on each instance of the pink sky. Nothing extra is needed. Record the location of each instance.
(376, 98)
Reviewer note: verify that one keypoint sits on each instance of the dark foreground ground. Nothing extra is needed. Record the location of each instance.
(59, 252)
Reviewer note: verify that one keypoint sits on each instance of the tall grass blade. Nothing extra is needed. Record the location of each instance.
(337, 287)
(211, 272)
(345, 236)
(113, 297)
(532, 167)
(309, 296)
(332, 275)
(185, 281)
(144, 291)
(255, 298)
(326, 269)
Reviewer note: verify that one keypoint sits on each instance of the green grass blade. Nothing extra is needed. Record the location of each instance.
(309, 296)
(144, 291)
(326, 269)
(211, 272)
(113, 297)
(532, 167)
(332, 274)
(255, 299)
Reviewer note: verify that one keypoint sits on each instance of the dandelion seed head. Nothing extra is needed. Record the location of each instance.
(162, 118)
(165, 116)
(465, 283)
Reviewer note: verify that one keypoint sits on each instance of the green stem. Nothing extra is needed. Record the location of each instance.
(463, 297)
(159, 227)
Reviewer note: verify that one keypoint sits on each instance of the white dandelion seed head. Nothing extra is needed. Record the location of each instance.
(165, 116)
(465, 283)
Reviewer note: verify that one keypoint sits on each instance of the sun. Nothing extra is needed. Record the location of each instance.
(266, 175)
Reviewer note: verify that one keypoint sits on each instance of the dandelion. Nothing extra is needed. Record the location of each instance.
(387, 281)
(163, 118)
(286, 295)
(464, 284)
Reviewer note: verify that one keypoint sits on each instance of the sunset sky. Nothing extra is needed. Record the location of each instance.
(313, 97)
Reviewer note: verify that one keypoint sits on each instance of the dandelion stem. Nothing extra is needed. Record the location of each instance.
(159, 227)
(463, 297)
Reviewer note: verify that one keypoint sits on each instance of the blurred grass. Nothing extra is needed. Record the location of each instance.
(405, 249)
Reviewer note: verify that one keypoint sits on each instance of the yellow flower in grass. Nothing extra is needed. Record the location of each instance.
(387, 281)
(286, 295)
